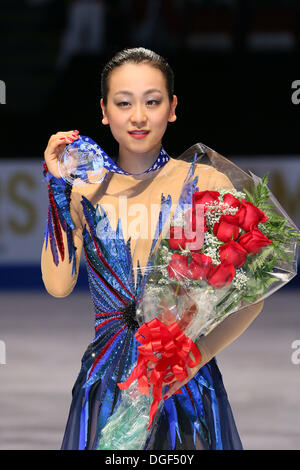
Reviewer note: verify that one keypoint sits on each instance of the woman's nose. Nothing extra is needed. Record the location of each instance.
(138, 115)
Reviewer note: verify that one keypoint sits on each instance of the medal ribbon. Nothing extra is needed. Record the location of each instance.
(86, 144)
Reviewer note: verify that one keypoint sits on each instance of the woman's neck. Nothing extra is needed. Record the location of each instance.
(136, 163)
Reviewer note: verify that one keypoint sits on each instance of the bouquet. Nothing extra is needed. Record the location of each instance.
(222, 250)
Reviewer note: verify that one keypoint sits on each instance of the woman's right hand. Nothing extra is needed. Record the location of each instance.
(56, 145)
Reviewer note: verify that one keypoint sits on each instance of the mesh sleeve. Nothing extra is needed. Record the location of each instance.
(63, 239)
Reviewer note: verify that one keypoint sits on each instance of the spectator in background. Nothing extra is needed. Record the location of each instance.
(85, 30)
(153, 23)
(147, 21)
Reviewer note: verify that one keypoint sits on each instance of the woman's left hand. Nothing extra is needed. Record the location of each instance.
(176, 384)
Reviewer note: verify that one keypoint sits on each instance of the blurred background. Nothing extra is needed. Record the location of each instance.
(237, 80)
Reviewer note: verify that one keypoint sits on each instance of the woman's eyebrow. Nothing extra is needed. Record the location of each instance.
(127, 92)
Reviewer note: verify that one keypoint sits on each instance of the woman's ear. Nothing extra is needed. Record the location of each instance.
(104, 119)
(172, 115)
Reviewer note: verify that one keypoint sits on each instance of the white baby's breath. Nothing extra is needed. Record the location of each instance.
(179, 220)
(240, 279)
(234, 192)
(211, 247)
(163, 281)
(215, 210)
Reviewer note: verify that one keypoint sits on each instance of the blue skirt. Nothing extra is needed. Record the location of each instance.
(200, 418)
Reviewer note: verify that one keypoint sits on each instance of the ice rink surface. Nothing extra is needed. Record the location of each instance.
(45, 338)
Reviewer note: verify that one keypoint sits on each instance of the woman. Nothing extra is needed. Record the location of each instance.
(137, 103)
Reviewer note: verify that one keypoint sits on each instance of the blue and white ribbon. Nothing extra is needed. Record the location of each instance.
(85, 143)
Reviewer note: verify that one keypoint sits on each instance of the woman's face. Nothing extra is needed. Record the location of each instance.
(138, 108)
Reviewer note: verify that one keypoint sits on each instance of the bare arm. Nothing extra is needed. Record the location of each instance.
(227, 331)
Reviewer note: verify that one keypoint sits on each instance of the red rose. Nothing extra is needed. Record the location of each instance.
(221, 275)
(205, 196)
(178, 266)
(195, 243)
(253, 241)
(176, 243)
(227, 228)
(178, 239)
(250, 215)
(199, 267)
(233, 253)
(196, 219)
(195, 226)
(232, 201)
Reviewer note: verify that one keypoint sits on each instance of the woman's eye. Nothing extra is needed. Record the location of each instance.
(153, 102)
(123, 103)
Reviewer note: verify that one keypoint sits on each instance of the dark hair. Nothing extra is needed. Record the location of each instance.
(137, 55)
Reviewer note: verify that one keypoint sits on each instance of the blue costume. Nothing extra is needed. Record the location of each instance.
(198, 418)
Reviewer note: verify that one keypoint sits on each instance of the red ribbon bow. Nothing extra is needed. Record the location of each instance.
(169, 348)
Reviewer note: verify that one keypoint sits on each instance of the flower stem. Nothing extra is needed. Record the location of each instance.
(177, 289)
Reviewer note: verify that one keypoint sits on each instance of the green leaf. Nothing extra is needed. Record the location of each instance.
(250, 298)
(268, 282)
(249, 196)
(265, 206)
(265, 178)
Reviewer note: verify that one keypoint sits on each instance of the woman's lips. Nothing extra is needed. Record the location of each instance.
(138, 134)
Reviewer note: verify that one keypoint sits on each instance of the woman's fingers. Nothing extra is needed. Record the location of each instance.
(174, 387)
(172, 383)
(56, 144)
(61, 138)
(151, 364)
(169, 378)
(69, 136)
(178, 384)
